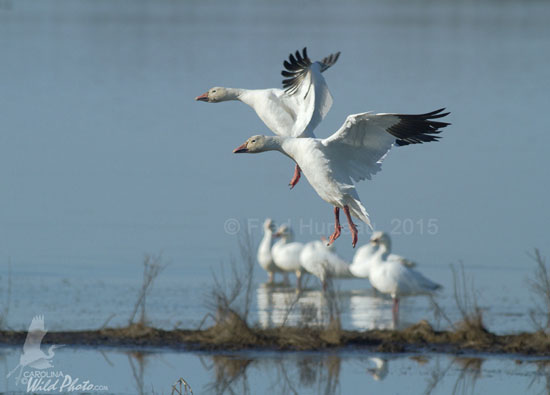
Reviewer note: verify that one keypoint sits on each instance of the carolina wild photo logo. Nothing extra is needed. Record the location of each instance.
(34, 365)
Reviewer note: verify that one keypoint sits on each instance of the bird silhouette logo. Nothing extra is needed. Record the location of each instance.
(33, 356)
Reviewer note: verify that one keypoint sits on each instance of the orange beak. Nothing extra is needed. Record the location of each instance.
(241, 149)
(203, 97)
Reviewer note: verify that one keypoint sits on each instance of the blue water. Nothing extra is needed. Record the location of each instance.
(154, 371)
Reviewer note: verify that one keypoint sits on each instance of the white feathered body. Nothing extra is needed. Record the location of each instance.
(361, 263)
(332, 186)
(265, 258)
(363, 260)
(390, 276)
(286, 255)
(296, 114)
(319, 260)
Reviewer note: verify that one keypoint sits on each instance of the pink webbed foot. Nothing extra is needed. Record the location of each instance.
(296, 177)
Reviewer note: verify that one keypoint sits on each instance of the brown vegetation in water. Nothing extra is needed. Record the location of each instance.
(231, 299)
(235, 334)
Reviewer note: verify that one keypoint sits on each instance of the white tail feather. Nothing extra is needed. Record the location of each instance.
(359, 211)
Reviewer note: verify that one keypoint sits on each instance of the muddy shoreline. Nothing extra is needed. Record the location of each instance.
(418, 338)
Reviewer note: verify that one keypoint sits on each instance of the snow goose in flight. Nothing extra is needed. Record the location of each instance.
(391, 276)
(353, 153)
(293, 111)
(286, 253)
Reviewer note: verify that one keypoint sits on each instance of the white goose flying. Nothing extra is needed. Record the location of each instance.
(295, 110)
(353, 153)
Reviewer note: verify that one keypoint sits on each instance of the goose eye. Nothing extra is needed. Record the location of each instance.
(253, 141)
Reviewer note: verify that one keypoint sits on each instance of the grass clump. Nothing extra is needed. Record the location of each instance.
(471, 323)
(5, 310)
(540, 288)
(152, 267)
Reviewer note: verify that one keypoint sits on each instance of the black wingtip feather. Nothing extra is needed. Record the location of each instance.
(419, 128)
(295, 69)
(297, 65)
(329, 60)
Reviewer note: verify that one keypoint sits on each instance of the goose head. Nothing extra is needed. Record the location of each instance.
(326, 245)
(381, 239)
(255, 144)
(217, 94)
(284, 232)
(269, 225)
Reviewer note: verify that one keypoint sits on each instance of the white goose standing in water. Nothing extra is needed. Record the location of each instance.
(286, 253)
(361, 263)
(295, 110)
(353, 153)
(390, 276)
(320, 260)
(265, 258)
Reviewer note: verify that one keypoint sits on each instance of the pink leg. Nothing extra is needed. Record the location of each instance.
(296, 177)
(351, 227)
(395, 311)
(337, 226)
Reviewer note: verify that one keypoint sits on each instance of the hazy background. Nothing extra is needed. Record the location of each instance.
(105, 155)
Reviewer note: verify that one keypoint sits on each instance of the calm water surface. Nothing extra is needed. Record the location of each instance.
(154, 371)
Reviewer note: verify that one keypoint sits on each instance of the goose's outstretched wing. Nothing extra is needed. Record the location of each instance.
(298, 66)
(358, 148)
(35, 335)
(306, 93)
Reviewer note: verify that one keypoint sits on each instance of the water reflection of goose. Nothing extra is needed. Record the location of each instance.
(321, 261)
(380, 370)
(32, 355)
(282, 306)
(286, 253)
(367, 311)
(390, 276)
